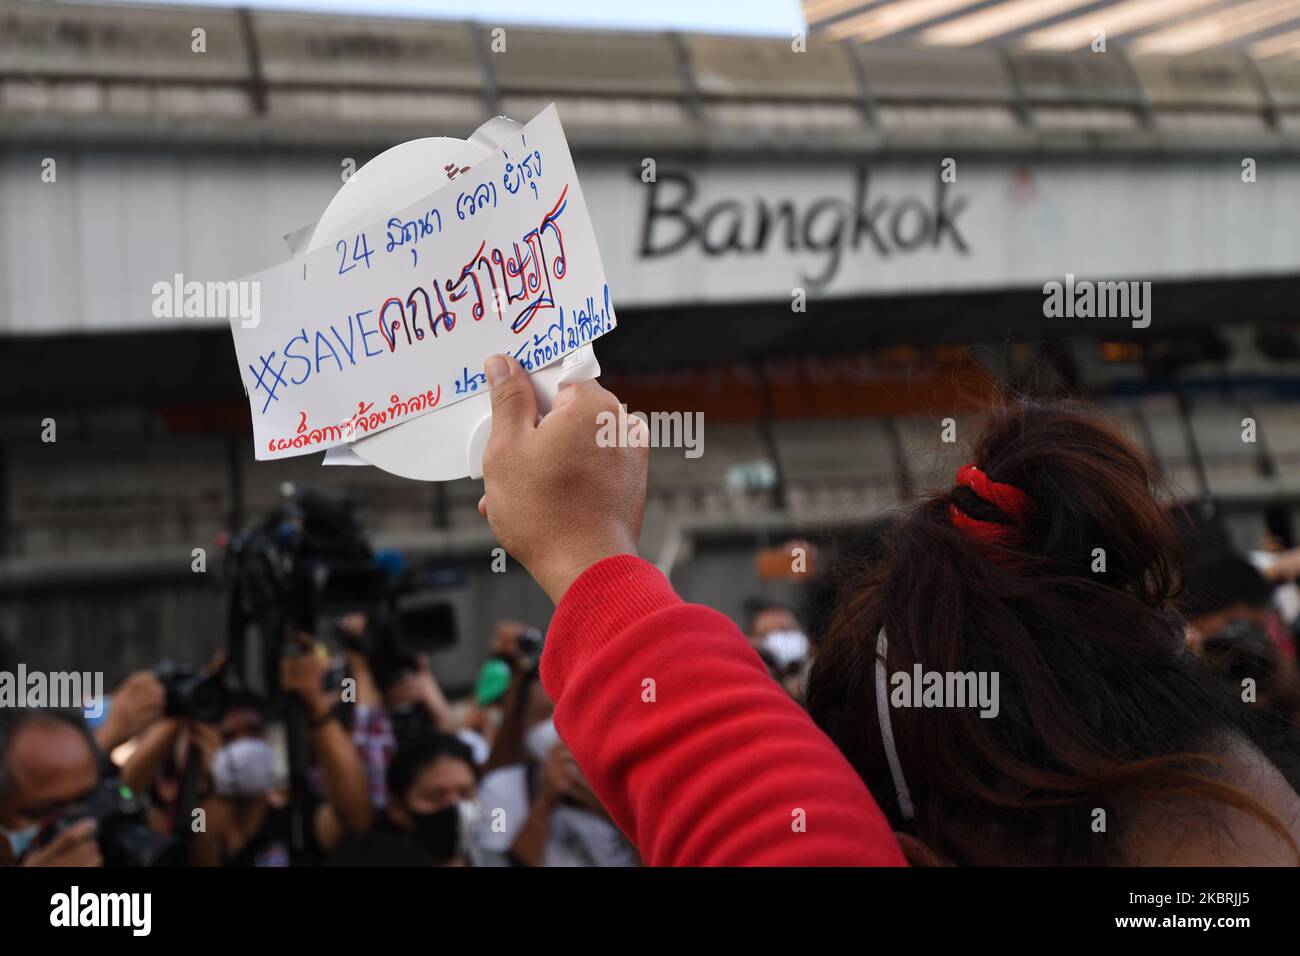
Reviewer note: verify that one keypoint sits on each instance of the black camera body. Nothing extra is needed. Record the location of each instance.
(530, 643)
(192, 694)
(123, 835)
(310, 554)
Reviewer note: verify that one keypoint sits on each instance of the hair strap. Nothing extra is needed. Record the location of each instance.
(1009, 499)
(887, 731)
(1014, 503)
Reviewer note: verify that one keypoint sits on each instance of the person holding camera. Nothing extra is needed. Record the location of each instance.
(247, 818)
(55, 778)
(548, 813)
(395, 697)
(48, 763)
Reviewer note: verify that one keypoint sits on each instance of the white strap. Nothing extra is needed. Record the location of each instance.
(887, 731)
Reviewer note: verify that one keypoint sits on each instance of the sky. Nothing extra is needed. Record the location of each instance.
(770, 17)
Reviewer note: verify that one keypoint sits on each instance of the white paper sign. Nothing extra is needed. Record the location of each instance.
(395, 321)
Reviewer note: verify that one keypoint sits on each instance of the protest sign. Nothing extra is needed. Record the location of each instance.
(393, 321)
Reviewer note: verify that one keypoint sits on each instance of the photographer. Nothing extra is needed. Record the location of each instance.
(48, 762)
(514, 650)
(551, 815)
(410, 702)
(370, 728)
(431, 812)
(161, 761)
(247, 817)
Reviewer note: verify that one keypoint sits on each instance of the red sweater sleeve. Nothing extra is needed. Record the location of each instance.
(699, 756)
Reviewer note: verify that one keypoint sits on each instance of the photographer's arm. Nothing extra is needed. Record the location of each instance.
(367, 693)
(209, 840)
(347, 809)
(344, 775)
(698, 755)
(137, 702)
(529, 848)
(144, 763)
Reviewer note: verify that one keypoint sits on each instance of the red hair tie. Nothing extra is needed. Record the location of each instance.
(1009, 499)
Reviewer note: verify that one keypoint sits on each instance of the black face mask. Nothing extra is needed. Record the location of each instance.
(438, 833)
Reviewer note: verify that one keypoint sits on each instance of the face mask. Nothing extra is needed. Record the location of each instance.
(242, 769)
(448, 832)
(541, 739)
(20, 841)
(788, 647)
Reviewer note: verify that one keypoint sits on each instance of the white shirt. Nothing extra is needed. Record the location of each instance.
(577, 837)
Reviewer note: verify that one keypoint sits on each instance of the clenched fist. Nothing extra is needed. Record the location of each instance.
(556, 500)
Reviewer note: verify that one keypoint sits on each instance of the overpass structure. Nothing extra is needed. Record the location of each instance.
(919, 197)
(191, 141)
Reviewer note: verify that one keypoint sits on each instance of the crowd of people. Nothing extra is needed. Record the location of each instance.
(399, 775)
(1146, 679)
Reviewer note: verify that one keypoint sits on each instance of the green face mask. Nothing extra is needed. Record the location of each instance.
(492, 683)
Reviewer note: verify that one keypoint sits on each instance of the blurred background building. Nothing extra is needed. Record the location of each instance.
(784, 168)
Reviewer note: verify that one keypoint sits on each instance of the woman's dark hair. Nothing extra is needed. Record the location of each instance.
(1217, 580)
(1102, 705)
(419, 751)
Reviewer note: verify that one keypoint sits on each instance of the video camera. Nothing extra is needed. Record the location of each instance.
(308, 564)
